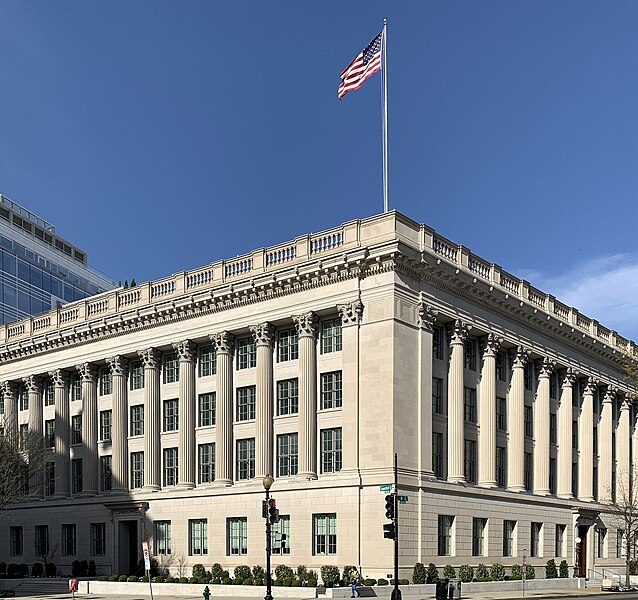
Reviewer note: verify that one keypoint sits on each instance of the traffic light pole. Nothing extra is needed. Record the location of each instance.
(268, 595)
(396, 592)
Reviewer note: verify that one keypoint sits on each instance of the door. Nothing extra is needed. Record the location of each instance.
(127, 547)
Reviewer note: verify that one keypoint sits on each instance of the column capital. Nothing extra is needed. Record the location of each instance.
(151, 358)
(458, 331)
(59, 377)
(117, 364)
(87, 371)
(490, 344)
(568, 378)
(351, 313)
(519, 355)
(307, 325)
(186, 350)
(591, 385)
(625, 403)
(224, 342)
(33, 383)
(610, 395)
(545, 367)
(426, 316)
(9, 388)
(264, 334)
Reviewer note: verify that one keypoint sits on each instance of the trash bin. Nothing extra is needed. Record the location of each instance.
(454, 589)
(441, 589)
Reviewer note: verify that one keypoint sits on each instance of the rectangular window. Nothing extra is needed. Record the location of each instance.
(501, 365)
(331, 336)
(536, 543)
(437, 454)
(49, 394)
(245, 459)
(595, 440)
(478, 536)
(171, 368)
(22, 436)
(207, 408)
(325, 534)
(500, 466)
(68, 540)
(331, 450)
(470, 461)
(620, 545)
(287, 455)
(76, 429)
(105, 473)
(247, 353)
(137, 470)
(41, 540)
(288, 346)
(437, 342)
(559, 549)
(529, 422)
(106, 382)
(76, 388)
(446, 523)
(552, 475)
(601, 534)
(246, 403)
(237, 536)
(470, 355)
(469, 405)
(553, 385)
(98, 539)
(49, 478)
(137, 420)
(162, 544)
(170, 415)
(509, 528)
(16, 541)
(528, 472)
(288, 397)
(137, 376)
(437, 396)
(528, 375)
(23, 398)
(106, 420)
(331, 390)
(206, 456)
(197, 537)
(76, 476)
(170, 466)
(575, 435)
(278, 543)
(207, 361)
(552, 428)
(501, 414)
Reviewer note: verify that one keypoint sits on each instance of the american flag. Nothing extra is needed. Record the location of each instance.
(361, 68)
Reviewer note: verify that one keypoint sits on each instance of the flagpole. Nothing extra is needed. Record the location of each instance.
(385, 116)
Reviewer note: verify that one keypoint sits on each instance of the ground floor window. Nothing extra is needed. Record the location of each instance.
(237, 536)
(162, 537)
(197, 537)
(325, 534)
(445, 526)
(98, 539)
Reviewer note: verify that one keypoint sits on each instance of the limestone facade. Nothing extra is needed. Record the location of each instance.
(315, 361)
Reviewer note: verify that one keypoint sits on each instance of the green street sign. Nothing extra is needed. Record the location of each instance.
(385, 488)
(403, 499)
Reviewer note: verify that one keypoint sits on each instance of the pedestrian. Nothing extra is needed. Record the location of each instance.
(354, 581)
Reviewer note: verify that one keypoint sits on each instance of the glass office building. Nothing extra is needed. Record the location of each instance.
(38, 269)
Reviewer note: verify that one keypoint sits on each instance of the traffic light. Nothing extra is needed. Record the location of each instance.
(273, 512)
(264, 509)
(389, 531)
(389, 506)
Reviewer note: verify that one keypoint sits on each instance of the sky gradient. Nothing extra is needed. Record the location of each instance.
(161, 136)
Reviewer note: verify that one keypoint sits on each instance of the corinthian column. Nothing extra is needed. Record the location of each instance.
(118, 366)
(541, 430)
(263, 334)
(306, 325)
(34, 388)
(455, 423)
(10, 396)
(605, 468)
(586, 444)
(152, 459)
(186, 455)
(223, 343)
(487, 414)
(62, 431)
(88, 374)
(565, 452)
(516, 422)
(622, 450)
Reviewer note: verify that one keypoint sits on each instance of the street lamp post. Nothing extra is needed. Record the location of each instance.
(268, 480)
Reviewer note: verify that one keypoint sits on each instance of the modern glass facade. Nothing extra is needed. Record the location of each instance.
(38, 269)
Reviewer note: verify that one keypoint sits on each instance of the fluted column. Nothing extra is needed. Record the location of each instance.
(36, 430)
(565, 451)
(634, 443)
(118, 365)
(487, 413)
(186, 352)
(306, 325)
(586, 444)
(426, 320)
(152, 419)
(516, 422)
(455, 423)
(541, 429)
(224, 343)
(263, 334)
(622, 449)
(605, 467)
(10, 396)
(60, 381)
(88, 375)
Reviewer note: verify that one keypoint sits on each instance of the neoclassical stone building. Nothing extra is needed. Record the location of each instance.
(165, 405)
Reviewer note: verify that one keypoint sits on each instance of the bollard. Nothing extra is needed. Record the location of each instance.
(206, 593)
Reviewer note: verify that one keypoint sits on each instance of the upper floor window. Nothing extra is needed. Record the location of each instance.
(288, 397)
(529, 422)
(246, 403)
(552, 428)
(137, 470)
(437, 396)
(287, 455)
(470, 354)
(500, 466)
(528, 375)
(49, 433)
(470, 461)
(23, 397)
(501, 414)
(137, 376)
(49, 393)
(106, 382)
(170, 466)
(105, 472)
(247, 353)
(106, 417)
(331, 336)
(170, 415)
(206, 455)
(245, 459)
(76, 429)
(288, 346)
(76, 388)
(437, 342)
(207, 361)
(437, 454)
(331, 450)
(171, 368)
(331, 390)
(137, 420)
(501, 365)
(470, 405)
(207, 406)
(76, 476)
(553, 385)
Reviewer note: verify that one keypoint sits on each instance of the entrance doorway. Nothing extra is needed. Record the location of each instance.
(580, 567)
(127, 546)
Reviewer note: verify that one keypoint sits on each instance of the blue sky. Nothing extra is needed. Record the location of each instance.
(161, 136)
